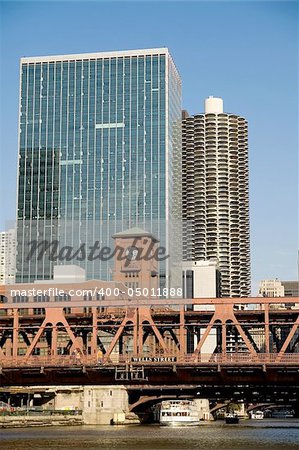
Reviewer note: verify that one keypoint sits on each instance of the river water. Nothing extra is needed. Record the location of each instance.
(250, 434)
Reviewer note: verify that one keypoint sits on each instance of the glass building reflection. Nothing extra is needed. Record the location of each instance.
(99, 152)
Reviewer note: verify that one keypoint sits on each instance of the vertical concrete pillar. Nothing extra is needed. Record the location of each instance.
(101, 403)
(203, 407)
(68, 397)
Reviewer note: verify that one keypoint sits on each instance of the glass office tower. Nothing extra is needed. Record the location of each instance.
(99, 152)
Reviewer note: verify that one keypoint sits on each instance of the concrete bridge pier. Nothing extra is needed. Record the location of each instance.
(102, 405)
(92, 404)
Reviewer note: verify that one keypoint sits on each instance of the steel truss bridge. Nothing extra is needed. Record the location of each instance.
(165, 342)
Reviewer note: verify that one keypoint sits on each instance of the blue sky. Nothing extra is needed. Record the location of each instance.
(245, 52)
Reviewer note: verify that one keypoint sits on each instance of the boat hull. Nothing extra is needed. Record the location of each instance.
(231, 420)
(179, 424)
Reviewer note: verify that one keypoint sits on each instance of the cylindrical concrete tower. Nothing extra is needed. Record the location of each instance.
(213, 105)
(215, 194)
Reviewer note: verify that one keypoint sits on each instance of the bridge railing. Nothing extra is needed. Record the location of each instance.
(203, 359)
(206, 358)
(46, 361)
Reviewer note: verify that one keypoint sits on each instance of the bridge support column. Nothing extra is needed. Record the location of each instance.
(203, 407)
(102, 405)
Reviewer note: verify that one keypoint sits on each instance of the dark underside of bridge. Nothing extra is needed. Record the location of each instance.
(168, 375)
(265, 383)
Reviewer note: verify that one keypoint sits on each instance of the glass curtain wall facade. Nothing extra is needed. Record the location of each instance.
(99, 152)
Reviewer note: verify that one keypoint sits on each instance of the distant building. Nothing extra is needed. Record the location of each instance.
(277, 288)
(66, 274)
(201, 279)
(271, 288)
(7, 256)
(291, 288)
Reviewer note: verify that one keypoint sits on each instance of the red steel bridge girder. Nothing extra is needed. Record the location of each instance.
(114, 335)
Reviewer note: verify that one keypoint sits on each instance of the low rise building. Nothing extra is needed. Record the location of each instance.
(291, 288)
(201, 279)
(271, 288)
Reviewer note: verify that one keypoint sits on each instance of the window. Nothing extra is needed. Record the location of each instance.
(20, 299)
(41, 298)
(21, 351)
(39, 311)
(62, 298)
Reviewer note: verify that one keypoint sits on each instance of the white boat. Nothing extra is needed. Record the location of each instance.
(282, 414)
(258, 415)
(178, 413)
